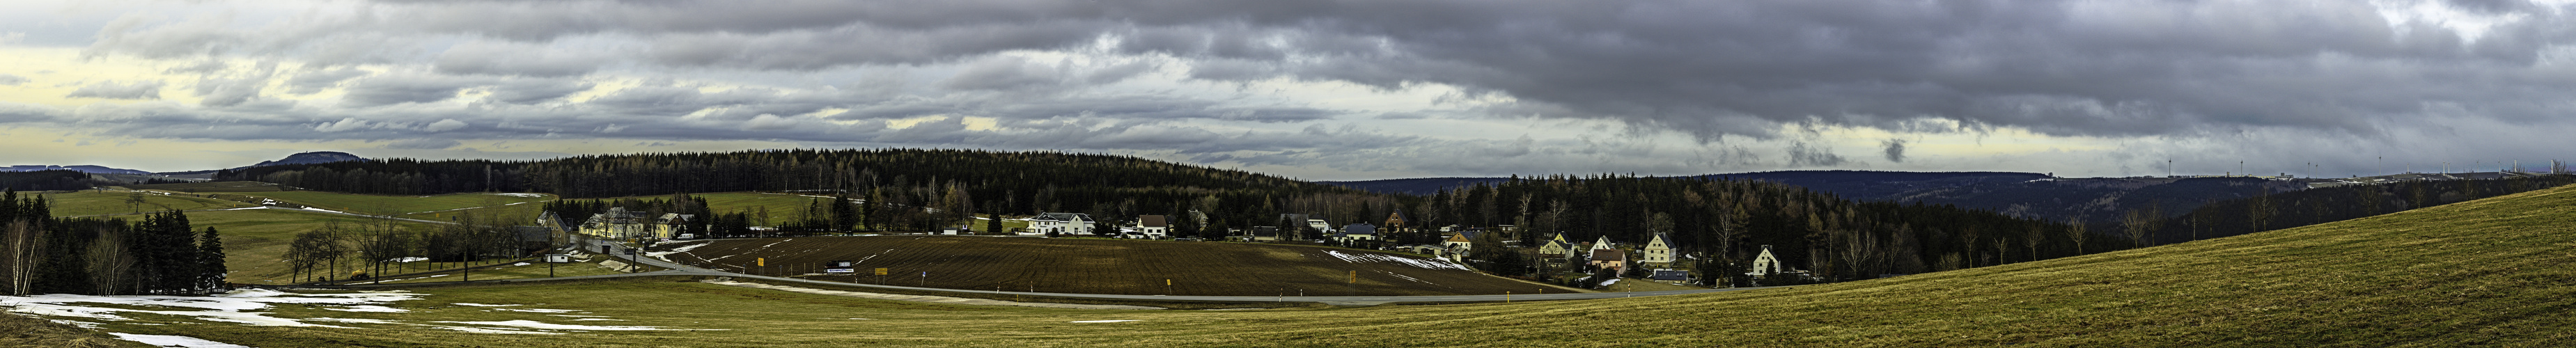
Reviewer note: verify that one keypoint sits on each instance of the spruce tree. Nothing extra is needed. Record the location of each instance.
(210, 259)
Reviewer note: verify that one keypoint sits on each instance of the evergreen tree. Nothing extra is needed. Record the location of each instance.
(210, 257)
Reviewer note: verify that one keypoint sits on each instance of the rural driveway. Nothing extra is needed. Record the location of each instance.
(680, 269)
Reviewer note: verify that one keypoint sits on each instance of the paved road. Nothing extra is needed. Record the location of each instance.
(681, 269)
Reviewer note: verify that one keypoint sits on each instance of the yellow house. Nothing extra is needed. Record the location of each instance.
(617, 223)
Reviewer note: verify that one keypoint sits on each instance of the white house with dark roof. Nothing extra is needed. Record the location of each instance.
(1154, 226)
(1061, 223)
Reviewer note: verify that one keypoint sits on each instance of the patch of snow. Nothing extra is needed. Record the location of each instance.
(528, 195)
(532, 324)
(1611, 281)
(410, 259)
(519, 264)
(1100, 321)
(174, 341)
(360, 321)
(1385, 258)
(683, 249)
(324, 210)
(237, 306)
(249, 208)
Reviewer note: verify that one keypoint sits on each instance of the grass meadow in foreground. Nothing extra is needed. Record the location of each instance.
(2488, 272)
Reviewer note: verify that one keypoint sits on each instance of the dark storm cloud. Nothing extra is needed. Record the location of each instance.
(1895, 149)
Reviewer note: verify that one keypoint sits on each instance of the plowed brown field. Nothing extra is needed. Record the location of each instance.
(1096, 266)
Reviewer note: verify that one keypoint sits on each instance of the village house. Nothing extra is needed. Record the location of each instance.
(1154, 226)
(1658, 252)
(672, 225)
(1556, 250)
(1264, 234)
(1612, 259)
(1765, 264)
(1671, 276)
(616, 223)
(1356, 232)
(1459, 244)
(1061, 223)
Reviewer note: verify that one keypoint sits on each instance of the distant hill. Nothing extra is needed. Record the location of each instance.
(315, 157)
(83, 169)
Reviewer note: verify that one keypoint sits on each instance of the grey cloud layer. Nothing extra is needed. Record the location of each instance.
(1710, 69)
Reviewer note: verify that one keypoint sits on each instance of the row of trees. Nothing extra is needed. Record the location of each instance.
(156, 254)
(375, 247)
(44, 180)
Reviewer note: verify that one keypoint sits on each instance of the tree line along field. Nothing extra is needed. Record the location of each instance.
(782, 207)
(1100, 266)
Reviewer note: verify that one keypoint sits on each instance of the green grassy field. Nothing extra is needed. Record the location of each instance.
(255, 241)
(87, 203)
(2483, 273)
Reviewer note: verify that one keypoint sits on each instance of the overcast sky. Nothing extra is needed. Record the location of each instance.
(1321, 90)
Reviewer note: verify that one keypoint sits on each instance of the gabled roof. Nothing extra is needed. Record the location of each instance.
(1066, 217)
(1459, 238)
(1359, 229)
(1152, 221)
(1396, 218)
(1661, 238)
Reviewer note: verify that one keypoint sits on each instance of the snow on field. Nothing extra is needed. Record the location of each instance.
(324, 210)
(233, 307)
(681, 249)
(410, 259)
(248, 306)
(528, 195)
(174, 341)
(1385, 258)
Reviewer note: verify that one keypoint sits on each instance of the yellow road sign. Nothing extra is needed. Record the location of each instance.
(763, 261)
(881, 271)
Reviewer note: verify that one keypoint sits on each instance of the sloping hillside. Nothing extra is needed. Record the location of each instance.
(2487, 272)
